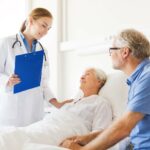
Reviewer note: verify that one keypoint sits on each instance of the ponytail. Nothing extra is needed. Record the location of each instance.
(23, 26)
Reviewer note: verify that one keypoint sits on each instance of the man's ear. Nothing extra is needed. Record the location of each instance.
(125, 52)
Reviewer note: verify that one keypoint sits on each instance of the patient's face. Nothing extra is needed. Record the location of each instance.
(89, 80)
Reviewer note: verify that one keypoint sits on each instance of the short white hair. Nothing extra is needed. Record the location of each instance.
(100, 74)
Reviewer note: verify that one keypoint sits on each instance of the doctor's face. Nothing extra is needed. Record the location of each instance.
(89, 80)
(40, 27)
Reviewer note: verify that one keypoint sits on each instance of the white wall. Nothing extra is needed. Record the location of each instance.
(94, 18)
(83, 28)
(90, 20)
(11, 16)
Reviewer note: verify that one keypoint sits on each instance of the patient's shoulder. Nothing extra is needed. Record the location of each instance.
(102, 101)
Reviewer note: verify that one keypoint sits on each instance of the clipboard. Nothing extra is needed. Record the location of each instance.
(29, 69)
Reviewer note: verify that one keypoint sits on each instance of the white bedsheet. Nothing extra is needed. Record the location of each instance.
(51, 130)
(35, 146)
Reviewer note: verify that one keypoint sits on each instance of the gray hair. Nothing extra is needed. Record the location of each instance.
(135, 41)
(100, 74)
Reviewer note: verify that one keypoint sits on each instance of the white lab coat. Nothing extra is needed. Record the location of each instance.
(25, 107)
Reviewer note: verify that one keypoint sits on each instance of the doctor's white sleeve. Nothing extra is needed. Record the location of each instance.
(4, 77)
(47, 93)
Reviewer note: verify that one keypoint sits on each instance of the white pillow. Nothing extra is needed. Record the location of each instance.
(115, 90)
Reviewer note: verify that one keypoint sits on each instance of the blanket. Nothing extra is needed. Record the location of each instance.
(52, 130)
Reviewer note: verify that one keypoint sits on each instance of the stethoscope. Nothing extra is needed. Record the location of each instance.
(20, 44)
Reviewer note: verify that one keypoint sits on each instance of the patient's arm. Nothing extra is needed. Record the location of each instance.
(81, 140)
(58, 104)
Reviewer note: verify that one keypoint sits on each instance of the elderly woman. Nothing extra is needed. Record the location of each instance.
(91, 107)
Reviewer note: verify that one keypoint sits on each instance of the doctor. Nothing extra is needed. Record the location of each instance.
(26, 107)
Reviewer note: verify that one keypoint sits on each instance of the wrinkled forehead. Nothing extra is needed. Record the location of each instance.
(89, 71)
(92, 72)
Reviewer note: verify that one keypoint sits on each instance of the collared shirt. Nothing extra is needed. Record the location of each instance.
(139, 101)
(27, 46)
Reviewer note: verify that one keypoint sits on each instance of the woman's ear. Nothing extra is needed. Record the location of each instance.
(100, 83)
(30, 20)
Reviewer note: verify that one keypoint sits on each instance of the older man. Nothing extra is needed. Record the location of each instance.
(130, 53)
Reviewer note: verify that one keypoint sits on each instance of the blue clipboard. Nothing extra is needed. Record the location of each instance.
(29, 69)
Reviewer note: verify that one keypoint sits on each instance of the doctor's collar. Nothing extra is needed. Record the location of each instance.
(23, 37)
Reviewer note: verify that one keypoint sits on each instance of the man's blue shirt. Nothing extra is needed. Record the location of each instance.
(139, 101)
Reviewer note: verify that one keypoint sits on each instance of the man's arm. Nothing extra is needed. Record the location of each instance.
(120, 129)
(85, 139)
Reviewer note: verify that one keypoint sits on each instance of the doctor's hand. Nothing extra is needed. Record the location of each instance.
(58, 104)
(66, 101)
(13, 80)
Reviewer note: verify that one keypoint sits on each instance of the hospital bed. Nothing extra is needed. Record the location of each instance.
(44, 135)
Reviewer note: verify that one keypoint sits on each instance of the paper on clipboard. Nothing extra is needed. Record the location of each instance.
(29, 69)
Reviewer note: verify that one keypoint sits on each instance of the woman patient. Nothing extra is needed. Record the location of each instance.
(91, 107)
(91, 113)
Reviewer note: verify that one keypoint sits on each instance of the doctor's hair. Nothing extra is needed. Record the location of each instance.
(135, 41)
(36, 14)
